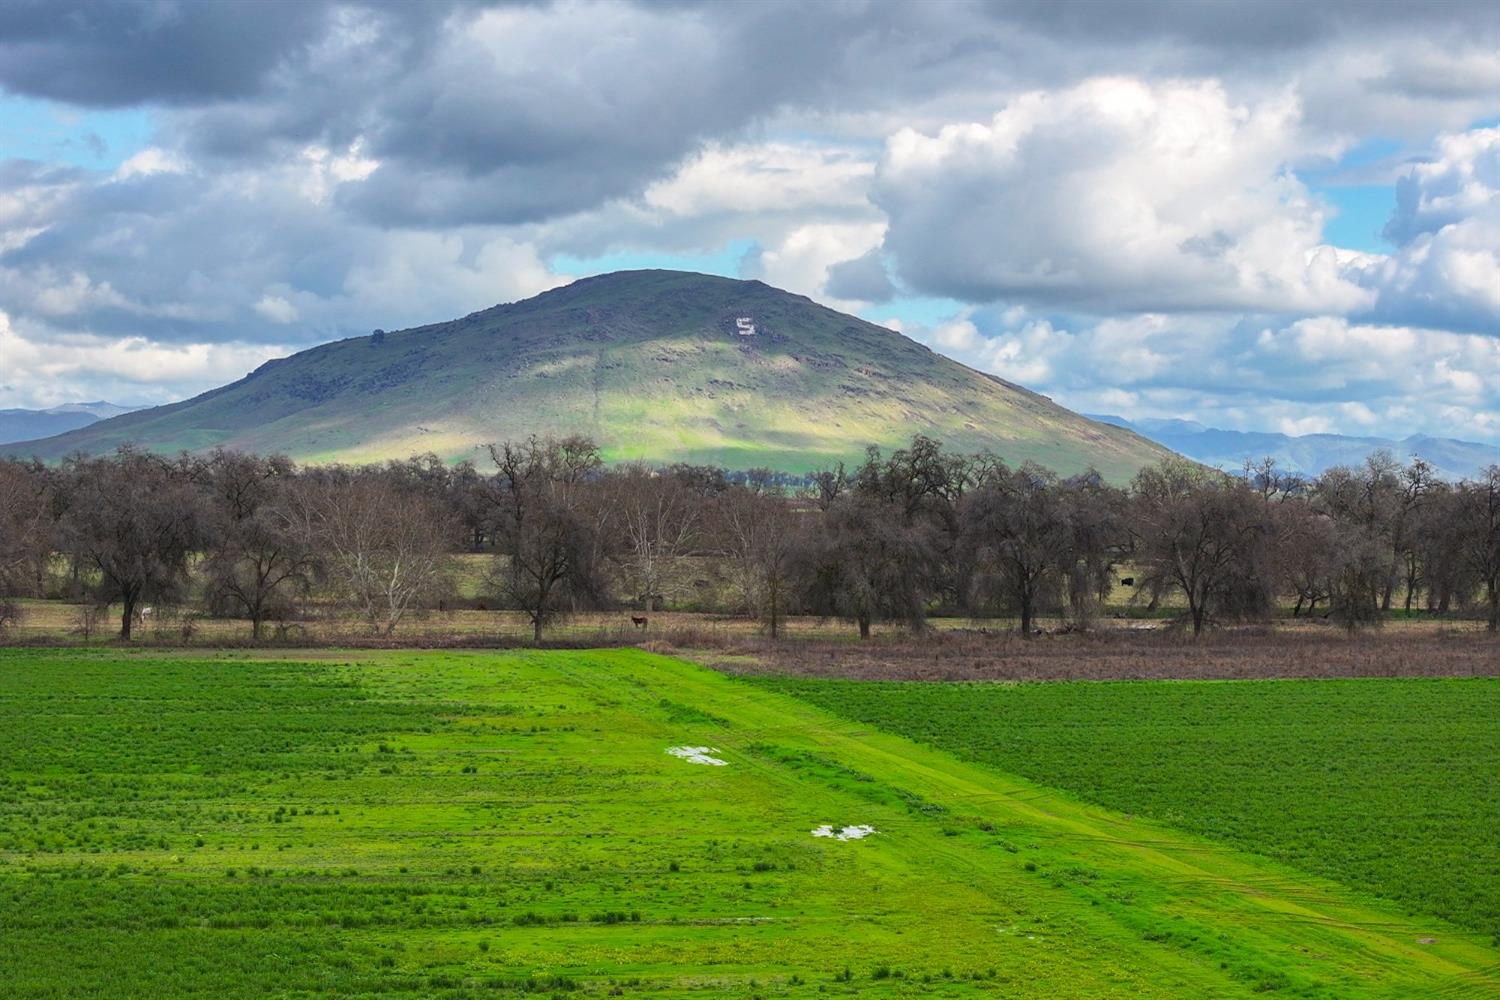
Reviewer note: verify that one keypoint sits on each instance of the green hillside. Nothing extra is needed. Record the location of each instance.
(652, 364)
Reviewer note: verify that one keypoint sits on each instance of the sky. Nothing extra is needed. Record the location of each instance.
(1261, 216)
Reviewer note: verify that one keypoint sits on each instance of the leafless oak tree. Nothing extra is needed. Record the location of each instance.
(385, 546)
(134, 519)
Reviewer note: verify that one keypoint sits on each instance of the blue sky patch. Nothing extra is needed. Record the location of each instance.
(726, 262)
(42, 130)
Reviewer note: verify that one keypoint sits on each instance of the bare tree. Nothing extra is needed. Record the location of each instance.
(471, 495)
(134, 519)
(760, 535)
(26, 534)
(1366, 502)
(659, 519)
(1100, 540)
(926, 485)
(1479, 528)
(551, 526)
(238, 483)
(1360, 571)
(1306, 552)
(1438, 544)
(829, 484)
(1204, 534)
(384, 544)
(257, 561)
(866, 563)
(1417, 482)
(1018, 536)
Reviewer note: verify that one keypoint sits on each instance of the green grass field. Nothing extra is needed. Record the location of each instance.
(1389, 785)
(481, 824)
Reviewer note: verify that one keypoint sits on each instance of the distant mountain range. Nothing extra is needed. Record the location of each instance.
(24, 425)
(1309, 454)
(664, 366)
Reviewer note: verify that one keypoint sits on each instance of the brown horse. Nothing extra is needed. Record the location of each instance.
(640, 622)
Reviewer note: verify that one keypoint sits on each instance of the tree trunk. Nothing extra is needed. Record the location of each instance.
(127, 617)
(255, 620)
(1195, 609)
(1026, 614)
(536, 627)
(1494, 589)
(775, 612)
(864, 626)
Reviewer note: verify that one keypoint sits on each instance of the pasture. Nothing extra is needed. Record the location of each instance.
(424, 824)
(1386, 784)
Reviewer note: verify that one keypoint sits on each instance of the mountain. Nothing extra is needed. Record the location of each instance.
(1309, 454)
(23, 425)
(657, 365)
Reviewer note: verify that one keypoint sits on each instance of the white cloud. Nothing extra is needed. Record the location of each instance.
(47, 367)
(1117, 194)
(1460, 180)
(58, 295)
(427, 268)
(327, 170)
(1137, 243)
(1315, 374)
(1446, 271)
(955, 336)
(1297, 426)
(151, 160)
(766, 177)
(801, 261)
(276, 309)
(47, 292)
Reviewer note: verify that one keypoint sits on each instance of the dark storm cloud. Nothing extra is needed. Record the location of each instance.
(113, 53)
(1238, 24)
(514, 114)
(485, 113)
(863, 279)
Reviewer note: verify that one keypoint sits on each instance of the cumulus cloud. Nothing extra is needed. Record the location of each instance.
(765, 177)
(1243, 373)
(801, 262)
(187, 255)
(863, 279)
(151, 160)
(1446, 269)
(470, 121)
(1140, 239)
(1115, 194)
(43, 366)
(276, 309)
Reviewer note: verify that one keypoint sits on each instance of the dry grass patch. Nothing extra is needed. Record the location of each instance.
(1118, 655)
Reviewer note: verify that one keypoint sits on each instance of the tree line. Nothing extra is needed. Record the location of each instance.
(896, 538)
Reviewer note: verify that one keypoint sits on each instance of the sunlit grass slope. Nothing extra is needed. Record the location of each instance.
(650, 364)
(445, 825)
(1388, 784)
